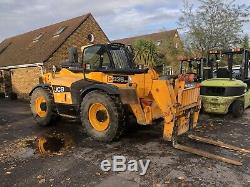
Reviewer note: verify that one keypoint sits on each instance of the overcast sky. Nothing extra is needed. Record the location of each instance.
(118, 18)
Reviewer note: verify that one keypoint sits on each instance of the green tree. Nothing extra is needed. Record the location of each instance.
(146, 53)
(171, 51)
(214, 24)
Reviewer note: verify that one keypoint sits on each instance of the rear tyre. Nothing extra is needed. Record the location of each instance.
(237, 109)
(42, 107)
(102, 116)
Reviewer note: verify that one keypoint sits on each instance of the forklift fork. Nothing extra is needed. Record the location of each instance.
(218, 143)
(206, 154)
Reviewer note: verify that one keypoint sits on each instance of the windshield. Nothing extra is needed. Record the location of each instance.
(97, 58)
(101, 57)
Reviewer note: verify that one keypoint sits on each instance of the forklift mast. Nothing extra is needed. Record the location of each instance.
(244, 66)
(230, 54)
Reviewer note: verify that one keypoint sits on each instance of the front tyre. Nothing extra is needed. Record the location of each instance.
(42, 106)
(238, 109)
(102, 116)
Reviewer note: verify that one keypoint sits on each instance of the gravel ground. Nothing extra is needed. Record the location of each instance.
(78, 161)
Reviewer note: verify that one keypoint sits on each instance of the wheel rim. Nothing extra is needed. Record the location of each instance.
(41, 107)
(99, 117)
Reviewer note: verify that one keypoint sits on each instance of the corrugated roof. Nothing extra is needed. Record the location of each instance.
(159, 36)
(22, 49)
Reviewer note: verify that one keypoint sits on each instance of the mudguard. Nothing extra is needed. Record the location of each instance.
(110, 89)
(81, 88)
(45, 86)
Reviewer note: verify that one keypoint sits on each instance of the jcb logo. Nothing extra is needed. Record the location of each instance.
(59, 89)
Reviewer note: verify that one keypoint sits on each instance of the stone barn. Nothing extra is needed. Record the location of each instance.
(24, 58)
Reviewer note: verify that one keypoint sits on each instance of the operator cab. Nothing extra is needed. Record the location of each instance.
(113, 58)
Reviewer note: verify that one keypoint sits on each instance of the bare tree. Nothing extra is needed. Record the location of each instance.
(214, 24)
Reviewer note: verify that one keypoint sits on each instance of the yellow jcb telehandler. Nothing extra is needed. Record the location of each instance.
(104, 88)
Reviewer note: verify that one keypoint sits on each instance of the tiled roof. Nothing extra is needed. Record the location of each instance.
(152, 37)
(23, 49)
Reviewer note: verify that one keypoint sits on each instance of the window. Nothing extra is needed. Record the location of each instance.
(120, 58)
(91, 38)
(61, 29)
(37, 38)
(97, 57)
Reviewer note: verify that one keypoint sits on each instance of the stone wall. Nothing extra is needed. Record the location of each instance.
(23, 80)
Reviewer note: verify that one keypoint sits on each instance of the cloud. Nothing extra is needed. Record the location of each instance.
(114, 15)
(118, 18)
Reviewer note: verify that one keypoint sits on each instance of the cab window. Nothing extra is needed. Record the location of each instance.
(97, 57)
(120, 58)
